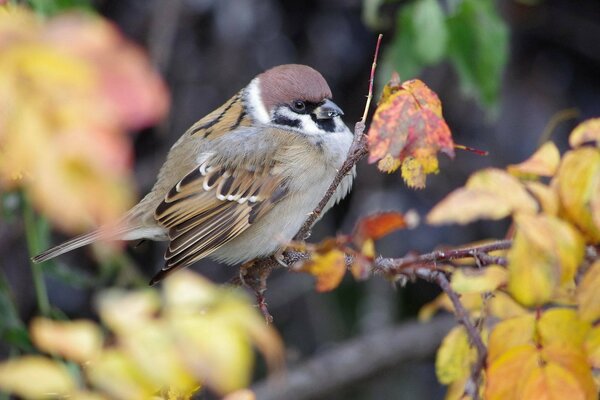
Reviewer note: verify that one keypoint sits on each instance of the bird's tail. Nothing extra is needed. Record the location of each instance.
(85, 239)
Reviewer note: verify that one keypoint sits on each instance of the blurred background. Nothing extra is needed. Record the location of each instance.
(510, 74)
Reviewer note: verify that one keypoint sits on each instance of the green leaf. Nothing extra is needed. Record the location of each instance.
(478, 47)
(421, 40)
(12, 329)
(431, 35)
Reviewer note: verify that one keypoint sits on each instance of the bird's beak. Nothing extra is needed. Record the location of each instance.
(327, 110)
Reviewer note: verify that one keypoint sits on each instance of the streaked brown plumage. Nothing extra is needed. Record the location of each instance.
(239, 183)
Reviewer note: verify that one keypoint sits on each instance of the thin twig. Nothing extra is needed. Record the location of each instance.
(357, 151)
(407, 265)
(472, 387)
(371, 80)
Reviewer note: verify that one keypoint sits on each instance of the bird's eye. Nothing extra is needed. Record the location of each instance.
(299, 106)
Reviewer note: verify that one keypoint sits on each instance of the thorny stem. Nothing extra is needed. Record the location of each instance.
(472, 387)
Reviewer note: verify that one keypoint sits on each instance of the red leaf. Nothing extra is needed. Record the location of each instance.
(381, 224)
(408, 125)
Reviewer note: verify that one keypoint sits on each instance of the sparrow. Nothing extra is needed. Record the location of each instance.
(240, 182)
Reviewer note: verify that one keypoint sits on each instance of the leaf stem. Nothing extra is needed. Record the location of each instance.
(34, 232)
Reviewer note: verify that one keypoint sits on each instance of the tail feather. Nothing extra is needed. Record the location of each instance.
(83, 240)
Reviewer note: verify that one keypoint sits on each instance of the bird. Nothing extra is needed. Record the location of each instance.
(241, 181)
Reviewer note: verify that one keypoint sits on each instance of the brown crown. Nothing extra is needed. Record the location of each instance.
(286, 83)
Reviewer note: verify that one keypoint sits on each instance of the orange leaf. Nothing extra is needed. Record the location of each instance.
(408, 129)
(378, 225)
(552, 382)
(510, 333)
(505, 373)
(328, 268)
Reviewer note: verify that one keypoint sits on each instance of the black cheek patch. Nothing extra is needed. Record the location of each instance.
(285, 121)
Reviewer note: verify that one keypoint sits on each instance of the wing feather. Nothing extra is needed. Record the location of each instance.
(212, 205)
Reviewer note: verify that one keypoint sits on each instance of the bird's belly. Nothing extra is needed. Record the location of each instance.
(276, 228)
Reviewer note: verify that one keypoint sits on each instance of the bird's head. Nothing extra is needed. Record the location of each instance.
(294, 97)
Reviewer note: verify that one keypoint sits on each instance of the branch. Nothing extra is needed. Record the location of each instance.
(356, 359)
(357, 151)
(408, 265)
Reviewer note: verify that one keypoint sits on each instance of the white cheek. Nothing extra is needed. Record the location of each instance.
(254, 102)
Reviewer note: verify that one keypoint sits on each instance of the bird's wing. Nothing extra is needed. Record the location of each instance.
(213, 204)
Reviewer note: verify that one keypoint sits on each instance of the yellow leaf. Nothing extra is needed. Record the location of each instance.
(463, 206)
(152, 348)
(117, 375)
(329, 269)
(488, 194)
(35, 377)
(215, 351)
(562, 327)
(125, 311)
(579, 188)
(505, 373)
(588, 294)
(454, 357)
(79, 341)
(473, 280)
(415, 170)
(592, 346)
(546, 253)
(503, 306)
(544, 162)
(551, 381)
(510, 333)
(545, 195)
(586, 132)
(507, 189)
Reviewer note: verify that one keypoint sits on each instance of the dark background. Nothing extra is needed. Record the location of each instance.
(208, 49)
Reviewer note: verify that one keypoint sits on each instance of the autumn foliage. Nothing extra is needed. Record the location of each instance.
(529, 309)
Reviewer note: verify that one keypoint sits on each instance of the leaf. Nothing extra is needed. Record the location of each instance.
(506, 371)
(408, 127)
(488, 194)
(75, 86)
(551, 381)
(592, 346)
(562, 327)
(573, 360)
(478, 48)
(429, 44)
(454, 356)
(471, 301)
(545, 254)
(586, 132)
(544, 162)
(545, 195)
(473, 280)
(510, 333)
(35, 377)
(79, 341)
(378, 225)
(503, 306)
(117, 375)
(588, 295)
(328, 268)
(579, 189)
